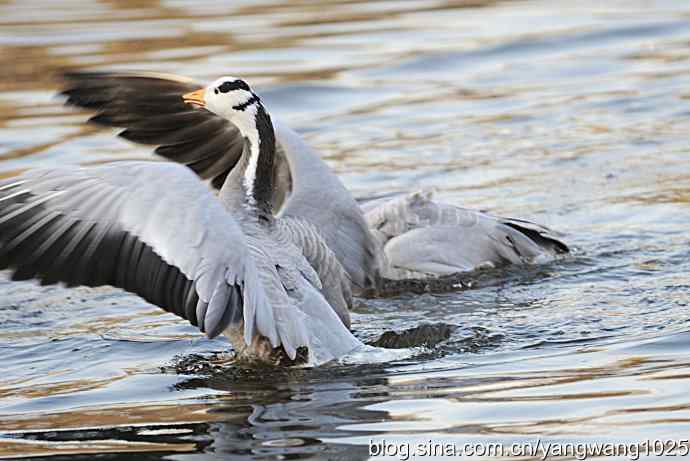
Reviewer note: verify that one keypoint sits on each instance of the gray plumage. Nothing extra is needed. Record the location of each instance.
(424, 238)
(300, 310)
(336, 284)
(320, 198)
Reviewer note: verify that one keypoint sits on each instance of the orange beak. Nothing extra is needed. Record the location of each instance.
(195, 98)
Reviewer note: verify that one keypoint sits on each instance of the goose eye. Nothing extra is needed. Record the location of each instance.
(215, 90)
(225, 87)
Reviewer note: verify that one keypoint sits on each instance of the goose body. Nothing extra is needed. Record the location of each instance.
(223, 262)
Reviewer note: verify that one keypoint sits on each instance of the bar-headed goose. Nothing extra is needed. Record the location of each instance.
(411, 236)
(224, 262)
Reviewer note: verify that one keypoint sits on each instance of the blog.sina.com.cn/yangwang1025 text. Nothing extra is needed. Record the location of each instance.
(541, 449)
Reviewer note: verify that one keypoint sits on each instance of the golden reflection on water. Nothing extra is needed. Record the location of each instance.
(171, 413)
(514, 402)
(396, 96)
(26, 448)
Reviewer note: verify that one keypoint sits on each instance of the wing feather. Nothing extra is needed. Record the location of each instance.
(111, 225)
(341, 223)
(150, 110)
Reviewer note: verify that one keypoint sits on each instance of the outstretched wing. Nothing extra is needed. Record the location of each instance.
(113, 225)
(150, 108)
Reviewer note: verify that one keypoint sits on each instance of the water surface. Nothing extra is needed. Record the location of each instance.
(574, 116)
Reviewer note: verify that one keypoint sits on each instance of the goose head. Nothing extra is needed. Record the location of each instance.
(230, 98)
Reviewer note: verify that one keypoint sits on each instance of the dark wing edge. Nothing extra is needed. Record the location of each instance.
(542, 236)
(150, 109)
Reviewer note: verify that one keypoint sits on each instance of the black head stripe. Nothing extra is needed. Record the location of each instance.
(233, 85)
(247, 103)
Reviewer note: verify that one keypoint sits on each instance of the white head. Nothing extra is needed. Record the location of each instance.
(230, 98)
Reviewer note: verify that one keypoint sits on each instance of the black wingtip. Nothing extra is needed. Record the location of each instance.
(541, 238)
